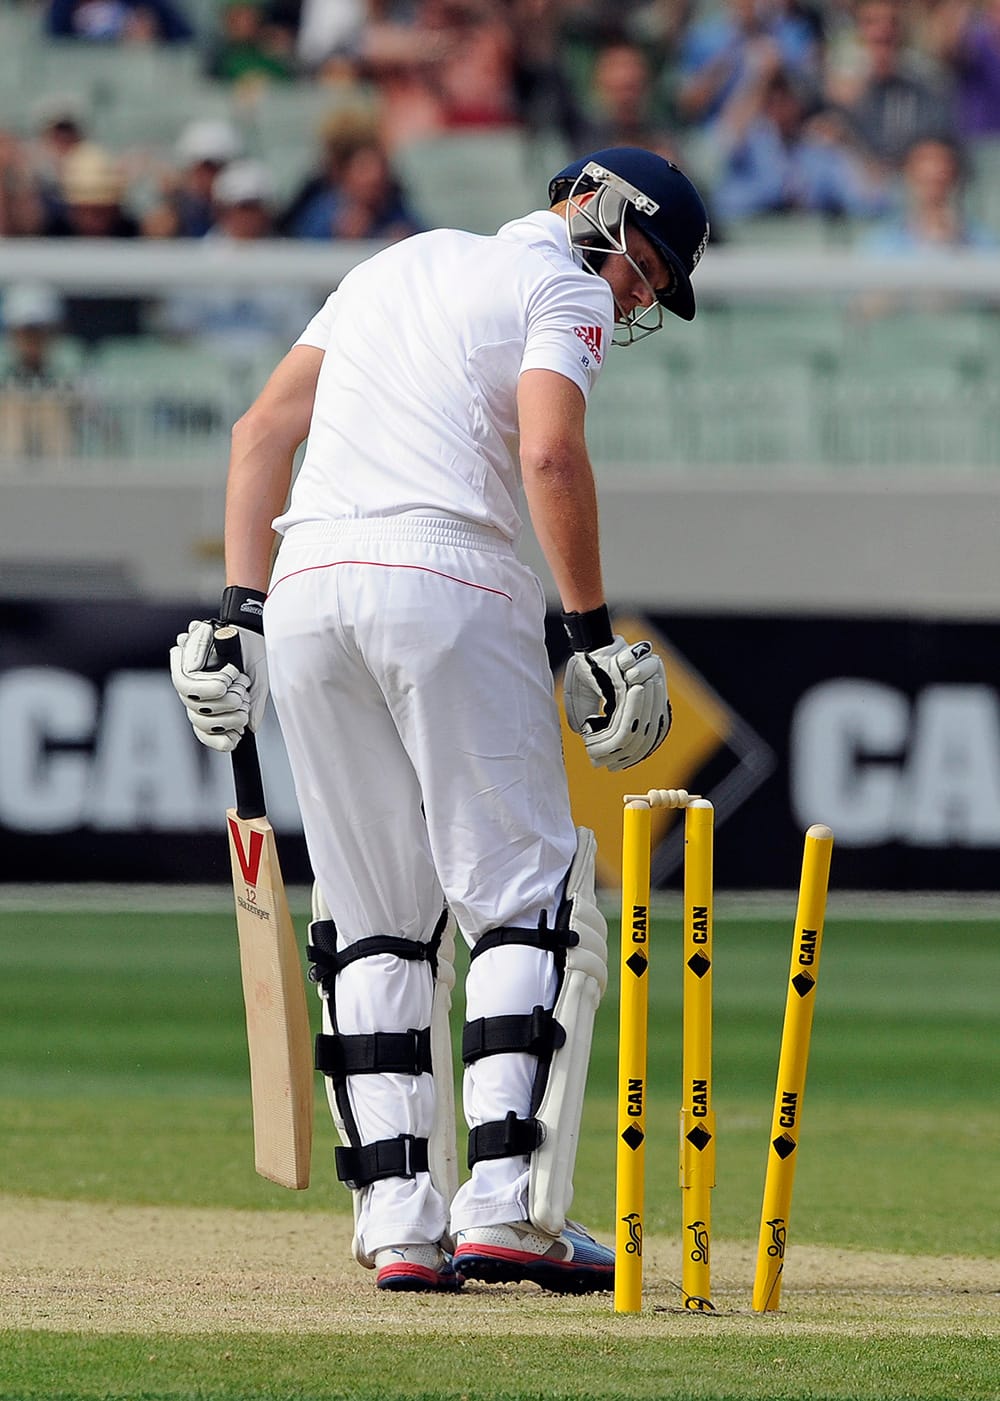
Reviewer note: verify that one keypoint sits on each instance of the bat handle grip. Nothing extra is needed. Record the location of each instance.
(246, 765)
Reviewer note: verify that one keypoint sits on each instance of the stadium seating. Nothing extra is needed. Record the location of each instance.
(805, 387)
(148, 398)
(984, 185)
(810, 383)
(474, 180)
(809, 233)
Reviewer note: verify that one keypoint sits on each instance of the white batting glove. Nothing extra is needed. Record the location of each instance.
(615, 695)
(223, 701)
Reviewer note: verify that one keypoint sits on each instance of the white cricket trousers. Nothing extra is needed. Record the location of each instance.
(408, 669)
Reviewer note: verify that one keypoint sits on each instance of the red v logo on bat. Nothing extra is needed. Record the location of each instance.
(249, 860)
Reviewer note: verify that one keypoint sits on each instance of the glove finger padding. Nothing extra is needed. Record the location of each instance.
(638, 666)
(645, 736)
(631, 719)
(195, 666)
(638, 722)
(222, 732)
(582, 696)
(236, 698)
(591, 683)
(221, 701)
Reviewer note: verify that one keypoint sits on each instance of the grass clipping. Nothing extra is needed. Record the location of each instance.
(74, 1266)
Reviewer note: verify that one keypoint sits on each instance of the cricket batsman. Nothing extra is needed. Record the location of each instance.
(443, 384)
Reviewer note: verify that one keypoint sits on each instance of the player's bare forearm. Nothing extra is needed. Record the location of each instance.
(563, 508)
(559, 486)
(264, 442)
(255, 493)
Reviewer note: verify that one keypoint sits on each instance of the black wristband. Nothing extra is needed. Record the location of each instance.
(588, 631)
(244, 607)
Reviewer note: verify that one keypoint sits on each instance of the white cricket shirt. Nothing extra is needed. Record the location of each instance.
(415, 406)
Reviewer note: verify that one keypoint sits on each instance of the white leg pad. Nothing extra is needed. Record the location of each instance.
(345, 1138)
(550, 1185)
(442, 1147)
(321, 912)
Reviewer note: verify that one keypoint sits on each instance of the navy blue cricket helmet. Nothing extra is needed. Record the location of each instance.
(651, 193)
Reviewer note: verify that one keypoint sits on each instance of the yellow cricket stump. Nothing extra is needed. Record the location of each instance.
(697, 1117)
(632, 1051)
(792, 1063)
(633, 1030)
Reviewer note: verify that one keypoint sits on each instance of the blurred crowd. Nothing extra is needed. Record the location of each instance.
(776, 106)
(865, 114)
(868, 111)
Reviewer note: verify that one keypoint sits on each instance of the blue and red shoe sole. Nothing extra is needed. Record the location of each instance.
(499, 1265)
(408, 1278)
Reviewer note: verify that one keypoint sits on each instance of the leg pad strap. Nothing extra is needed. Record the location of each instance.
(378, 1053)
(404, 1156)
(584, 976)
(537, 1034)
(509, 1137)
(326, 961)
(552, 940)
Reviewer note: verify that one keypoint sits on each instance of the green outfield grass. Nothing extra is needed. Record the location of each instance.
(193, 1369)
(123, 1081)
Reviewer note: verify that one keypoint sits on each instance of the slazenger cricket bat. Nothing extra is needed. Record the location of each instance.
(274, 995)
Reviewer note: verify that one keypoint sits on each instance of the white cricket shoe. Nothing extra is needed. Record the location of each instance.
(571, 1263)
(415, 1268)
